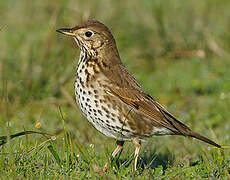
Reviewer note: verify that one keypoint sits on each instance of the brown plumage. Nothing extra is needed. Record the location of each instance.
(109, 96)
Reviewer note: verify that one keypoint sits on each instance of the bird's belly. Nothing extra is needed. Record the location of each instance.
(99, 111)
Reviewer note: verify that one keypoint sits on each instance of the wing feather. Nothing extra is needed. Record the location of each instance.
(125, 87)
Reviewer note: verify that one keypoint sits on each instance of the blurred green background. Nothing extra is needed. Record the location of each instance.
(177, 50)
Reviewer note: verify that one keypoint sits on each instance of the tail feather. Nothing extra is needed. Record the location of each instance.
(179, 128)
(202, 138)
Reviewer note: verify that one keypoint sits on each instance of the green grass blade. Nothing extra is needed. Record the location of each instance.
(55, 155)
(3, 139)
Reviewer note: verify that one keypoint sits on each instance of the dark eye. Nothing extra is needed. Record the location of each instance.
(88, 34)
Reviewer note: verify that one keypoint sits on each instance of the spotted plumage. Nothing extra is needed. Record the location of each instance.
(110, 97)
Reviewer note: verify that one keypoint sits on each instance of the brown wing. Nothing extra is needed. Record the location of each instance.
(125, 87)
(145, 105)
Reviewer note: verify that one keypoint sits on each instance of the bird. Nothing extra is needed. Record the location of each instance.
(110, 97)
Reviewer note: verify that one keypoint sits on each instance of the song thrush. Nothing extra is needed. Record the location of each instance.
(110, 97)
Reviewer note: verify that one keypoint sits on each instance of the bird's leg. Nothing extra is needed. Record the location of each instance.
(137, 144)
(116, 150)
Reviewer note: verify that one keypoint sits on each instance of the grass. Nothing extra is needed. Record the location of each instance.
(178, 51)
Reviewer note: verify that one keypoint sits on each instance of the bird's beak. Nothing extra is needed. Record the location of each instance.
(66, 31)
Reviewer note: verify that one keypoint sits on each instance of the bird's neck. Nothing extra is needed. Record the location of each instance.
(108, 56)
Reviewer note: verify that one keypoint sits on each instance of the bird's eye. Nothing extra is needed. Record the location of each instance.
(88, 34)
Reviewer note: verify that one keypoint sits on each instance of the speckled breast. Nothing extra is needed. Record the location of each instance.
(98, 107)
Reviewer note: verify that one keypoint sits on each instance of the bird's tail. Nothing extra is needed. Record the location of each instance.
(181, 129)
(202, 138)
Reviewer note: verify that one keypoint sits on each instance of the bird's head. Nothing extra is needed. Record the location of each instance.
(90, 36)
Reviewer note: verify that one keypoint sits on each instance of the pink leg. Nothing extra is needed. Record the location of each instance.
(137, 144)
(115, 152)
